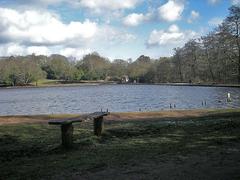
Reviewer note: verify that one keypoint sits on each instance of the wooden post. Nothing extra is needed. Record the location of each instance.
(98, 126)
(67, 135)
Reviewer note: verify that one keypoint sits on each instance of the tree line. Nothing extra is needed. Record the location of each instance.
(214, 58)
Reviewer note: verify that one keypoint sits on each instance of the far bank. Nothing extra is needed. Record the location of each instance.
(58, 83)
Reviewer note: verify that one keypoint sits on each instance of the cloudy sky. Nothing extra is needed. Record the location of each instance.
(114, 28)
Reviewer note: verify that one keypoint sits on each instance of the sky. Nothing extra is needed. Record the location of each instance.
(113, 28)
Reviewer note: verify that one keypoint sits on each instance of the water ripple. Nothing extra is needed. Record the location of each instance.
(117, 98)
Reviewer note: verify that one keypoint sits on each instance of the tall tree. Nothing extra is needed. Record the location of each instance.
(178, 62)
(208, 51)
(232, 22)
(95, 67)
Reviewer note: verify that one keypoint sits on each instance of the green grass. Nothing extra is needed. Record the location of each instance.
(46, 82)
(51, 82)
(140, 149)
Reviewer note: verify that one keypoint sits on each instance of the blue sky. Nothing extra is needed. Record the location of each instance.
(114, 28)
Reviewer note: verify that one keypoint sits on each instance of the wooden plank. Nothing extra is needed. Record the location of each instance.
(66, 121)
(98, 114)
(78, 119)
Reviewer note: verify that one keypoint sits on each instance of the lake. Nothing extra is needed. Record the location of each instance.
(115, 98)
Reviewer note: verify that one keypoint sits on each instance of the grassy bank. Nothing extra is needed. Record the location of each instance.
(48, 82)
(58, 83)
(62, 83)
(156, 145)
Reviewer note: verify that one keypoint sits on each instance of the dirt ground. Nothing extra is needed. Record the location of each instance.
(4, 120)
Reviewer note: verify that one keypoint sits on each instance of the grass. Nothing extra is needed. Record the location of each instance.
(205, 147)
(47, 82)
(51, 82)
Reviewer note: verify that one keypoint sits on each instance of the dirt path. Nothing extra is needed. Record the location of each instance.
(4, 120)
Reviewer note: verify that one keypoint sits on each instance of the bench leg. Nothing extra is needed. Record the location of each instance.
(98, 126)
(67, 135)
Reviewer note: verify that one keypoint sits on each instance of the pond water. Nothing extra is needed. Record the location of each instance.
(115, 98)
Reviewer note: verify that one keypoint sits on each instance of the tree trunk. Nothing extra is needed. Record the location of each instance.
(180, 68)
(194, 64)
(210, 66)
(238, 65)
(180, 73)
(238, 46)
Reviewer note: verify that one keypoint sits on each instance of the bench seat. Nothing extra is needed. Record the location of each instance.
(67, 127)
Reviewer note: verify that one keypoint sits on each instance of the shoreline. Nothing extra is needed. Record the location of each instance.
(125, 116)
(59, 85)
(200, 85)
(115, 83)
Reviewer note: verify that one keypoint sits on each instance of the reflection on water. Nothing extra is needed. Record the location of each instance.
(117, 98)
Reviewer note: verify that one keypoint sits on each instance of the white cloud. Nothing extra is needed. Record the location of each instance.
(27, 32)
(173, 29)
(38, 50)
(235, 2)
(40, 4)
(135, 19)
(172, 36)
(214, 1)
(171, 11)
(95, 5)
(194, 16)
(50, 1)
(215, 21)
(42, 28)
(44, 2)
(74, 52)
(113, 35)
(13, 49)
(109, 4)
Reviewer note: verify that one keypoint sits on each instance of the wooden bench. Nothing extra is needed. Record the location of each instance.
(67, 127)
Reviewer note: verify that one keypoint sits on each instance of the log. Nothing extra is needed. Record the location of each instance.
(67, 135)
(98, 126)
